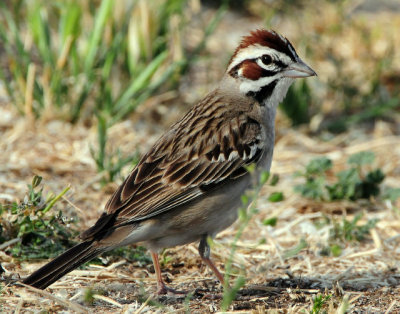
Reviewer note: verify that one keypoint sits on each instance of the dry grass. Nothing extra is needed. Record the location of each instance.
(366, 274)
(364, 268)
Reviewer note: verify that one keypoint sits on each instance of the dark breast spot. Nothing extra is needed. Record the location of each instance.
(265, 92)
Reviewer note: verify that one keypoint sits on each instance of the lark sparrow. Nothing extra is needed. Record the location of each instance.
(189, 185)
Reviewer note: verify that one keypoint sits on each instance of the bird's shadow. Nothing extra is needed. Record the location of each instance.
(338, 284)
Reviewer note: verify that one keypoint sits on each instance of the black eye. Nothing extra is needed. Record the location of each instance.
(266, 59)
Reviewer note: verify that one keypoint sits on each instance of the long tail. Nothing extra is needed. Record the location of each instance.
(63, 264)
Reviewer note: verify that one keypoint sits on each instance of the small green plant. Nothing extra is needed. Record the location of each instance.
(351, 230)
(319, 302)
(31, 230)
(296, 250)
(246, 212)
(344, 231)
(270, 221)
(335, 250)
(230, 294)
(351, 184)
(315, 177)
(165, 258)
(89, 295)
(276, 197)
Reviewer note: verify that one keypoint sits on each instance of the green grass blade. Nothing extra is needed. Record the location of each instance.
(100, 22)
(151, 88)
(54, 200)
(71, 15)
(140, 82)
(39, 25)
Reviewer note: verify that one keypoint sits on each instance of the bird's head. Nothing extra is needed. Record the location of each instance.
(265, 64)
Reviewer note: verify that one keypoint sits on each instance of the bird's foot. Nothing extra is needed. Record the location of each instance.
(165, 290)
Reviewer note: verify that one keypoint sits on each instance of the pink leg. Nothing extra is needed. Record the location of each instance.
(204, 251)
(161, 286)
(214, 269)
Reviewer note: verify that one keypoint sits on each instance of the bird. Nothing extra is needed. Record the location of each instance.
(188, 186)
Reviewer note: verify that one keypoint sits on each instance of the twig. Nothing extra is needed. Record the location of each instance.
(389, 309)
(108, 300)
(9, 243)
(143, 305)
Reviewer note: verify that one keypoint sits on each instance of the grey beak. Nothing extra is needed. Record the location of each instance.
(298, 69)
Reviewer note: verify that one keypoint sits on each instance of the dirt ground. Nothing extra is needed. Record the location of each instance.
(365, 278)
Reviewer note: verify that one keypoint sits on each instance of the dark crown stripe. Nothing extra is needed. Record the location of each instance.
(269, 39)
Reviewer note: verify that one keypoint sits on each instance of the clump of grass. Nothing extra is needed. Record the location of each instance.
(319, 302)
(31, 229)
(75, 58)
(353, 183)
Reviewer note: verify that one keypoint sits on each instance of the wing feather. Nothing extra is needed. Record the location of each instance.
(186, 162)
